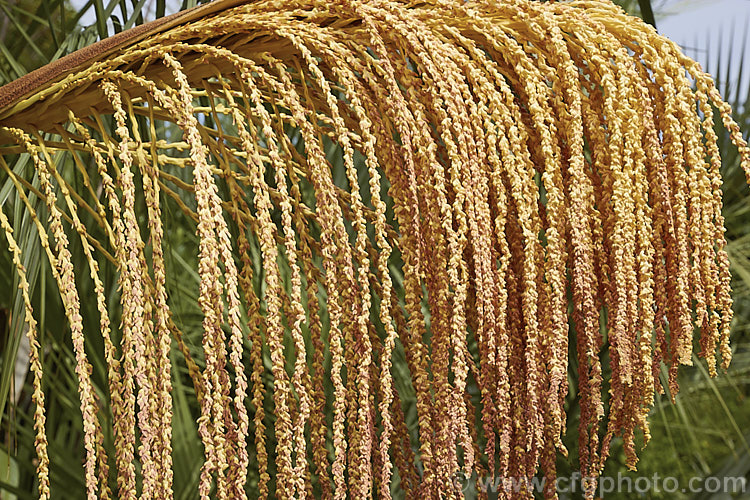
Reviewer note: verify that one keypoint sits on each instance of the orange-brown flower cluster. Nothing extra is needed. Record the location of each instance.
(404, 211)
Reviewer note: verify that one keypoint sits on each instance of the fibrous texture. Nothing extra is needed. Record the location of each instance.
(411, 220)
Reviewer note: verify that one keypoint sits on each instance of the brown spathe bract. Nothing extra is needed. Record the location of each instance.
(370, 179)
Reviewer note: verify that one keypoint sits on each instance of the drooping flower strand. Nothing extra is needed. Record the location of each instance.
(121, 383)
(255, 322)
(135, 305)
(103, 466)
(300, 379)
(162, 331)
(35, 361)
(212, 229)
(161, 396)
(362, 471)
(444, 245)
(414, 348)
(287, 481)
(101, 459)
(621, 352)
(328, 222)
(113, 375)
(63, 273)
(404, 192)
(550, 180)
(404, 458)
(302, 218)
(237, 442)
(347, 77)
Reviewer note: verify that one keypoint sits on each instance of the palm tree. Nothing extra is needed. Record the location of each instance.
(301, 184)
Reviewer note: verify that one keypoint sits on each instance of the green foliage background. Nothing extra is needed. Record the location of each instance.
(706, 433)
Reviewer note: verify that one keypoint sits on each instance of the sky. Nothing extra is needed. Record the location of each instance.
(706, 29)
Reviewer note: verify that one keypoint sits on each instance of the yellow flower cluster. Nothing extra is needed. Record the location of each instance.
(433, 182)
